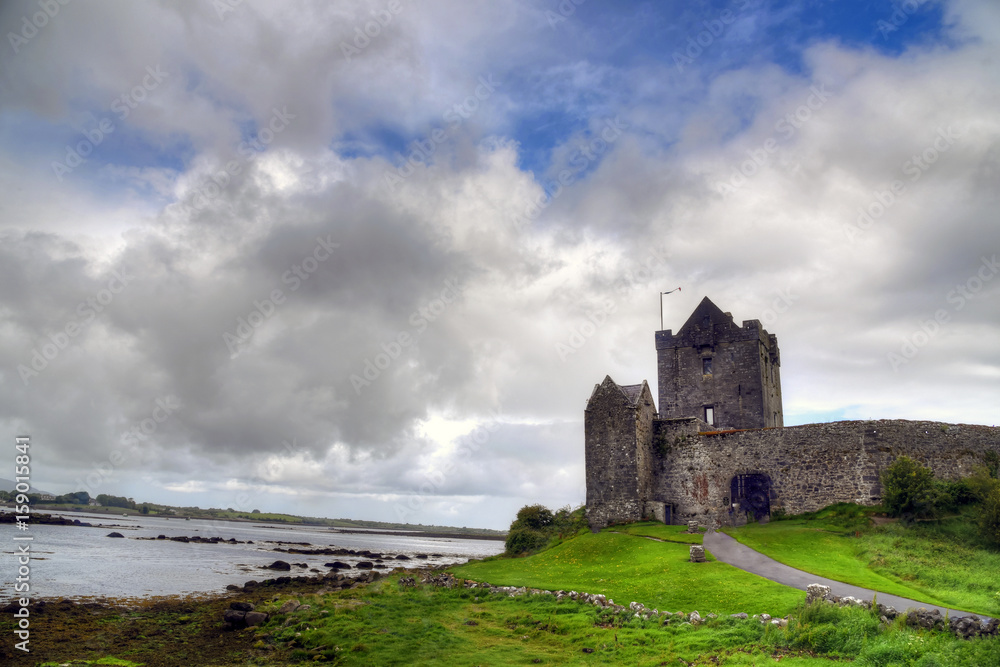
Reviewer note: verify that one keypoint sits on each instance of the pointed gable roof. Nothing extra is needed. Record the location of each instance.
(707, 316)
(632, 393)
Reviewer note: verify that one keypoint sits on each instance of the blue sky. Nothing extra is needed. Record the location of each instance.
(290, 269)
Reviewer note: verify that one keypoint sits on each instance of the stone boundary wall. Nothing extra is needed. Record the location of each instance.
(810, 466)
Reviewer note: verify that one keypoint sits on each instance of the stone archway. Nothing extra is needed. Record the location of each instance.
(751, 493)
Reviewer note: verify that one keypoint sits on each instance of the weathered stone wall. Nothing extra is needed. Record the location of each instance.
(646, 461)
(619, 458)
(809, 466)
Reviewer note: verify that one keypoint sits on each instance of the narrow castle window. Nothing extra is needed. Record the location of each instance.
(710, 415)
(706, 366)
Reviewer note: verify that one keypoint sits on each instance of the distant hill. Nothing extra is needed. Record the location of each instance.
(9, 484)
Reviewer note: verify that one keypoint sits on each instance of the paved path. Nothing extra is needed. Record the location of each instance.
(728, 550)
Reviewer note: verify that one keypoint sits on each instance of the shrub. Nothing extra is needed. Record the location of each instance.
(536, 526)
(989, 516)
(524, 540)
(992, 460)
(951, 496)
(537, 517)
(908, 489)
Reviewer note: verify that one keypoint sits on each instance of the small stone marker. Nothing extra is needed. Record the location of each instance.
(697, 553)
(692, 526)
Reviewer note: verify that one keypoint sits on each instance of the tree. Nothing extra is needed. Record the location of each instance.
(79, 497)
(536, 517)
(986, 489)
(908, 489)
(529, 531)
(989, 515)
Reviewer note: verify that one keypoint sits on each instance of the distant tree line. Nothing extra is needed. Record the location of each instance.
(116, 501)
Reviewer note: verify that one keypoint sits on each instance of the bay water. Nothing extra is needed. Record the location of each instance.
(83, 563)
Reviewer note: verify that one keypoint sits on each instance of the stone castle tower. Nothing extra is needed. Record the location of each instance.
(618, 426)
(722, 373)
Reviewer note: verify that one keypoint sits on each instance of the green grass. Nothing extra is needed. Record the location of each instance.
(629, 568)
(659, 531)
(103, 661)
(385, 624)
(930, 563)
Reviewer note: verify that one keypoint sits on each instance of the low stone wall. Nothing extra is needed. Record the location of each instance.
(965, 627)
(809, 466)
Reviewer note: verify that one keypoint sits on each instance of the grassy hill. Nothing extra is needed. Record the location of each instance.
(626, 565)
(940, 562)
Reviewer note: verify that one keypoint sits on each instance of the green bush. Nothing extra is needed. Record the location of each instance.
(952, 496)
(537, 526)
(989, 516)
(536, 517)
(908, 489)
(992, 461)
(524, 540)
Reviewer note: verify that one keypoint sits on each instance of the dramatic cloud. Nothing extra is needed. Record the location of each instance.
(368, 259)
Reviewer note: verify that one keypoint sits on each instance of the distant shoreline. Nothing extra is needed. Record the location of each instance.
(417, 533)
(42, 509)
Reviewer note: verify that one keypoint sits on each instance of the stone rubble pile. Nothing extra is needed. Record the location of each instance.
(697, 553)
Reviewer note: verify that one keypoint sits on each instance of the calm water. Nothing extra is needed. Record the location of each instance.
(80, 562)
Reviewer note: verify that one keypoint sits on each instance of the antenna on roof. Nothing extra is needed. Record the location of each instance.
(676, 289)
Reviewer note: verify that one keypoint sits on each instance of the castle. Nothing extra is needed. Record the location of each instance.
(718, 451)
